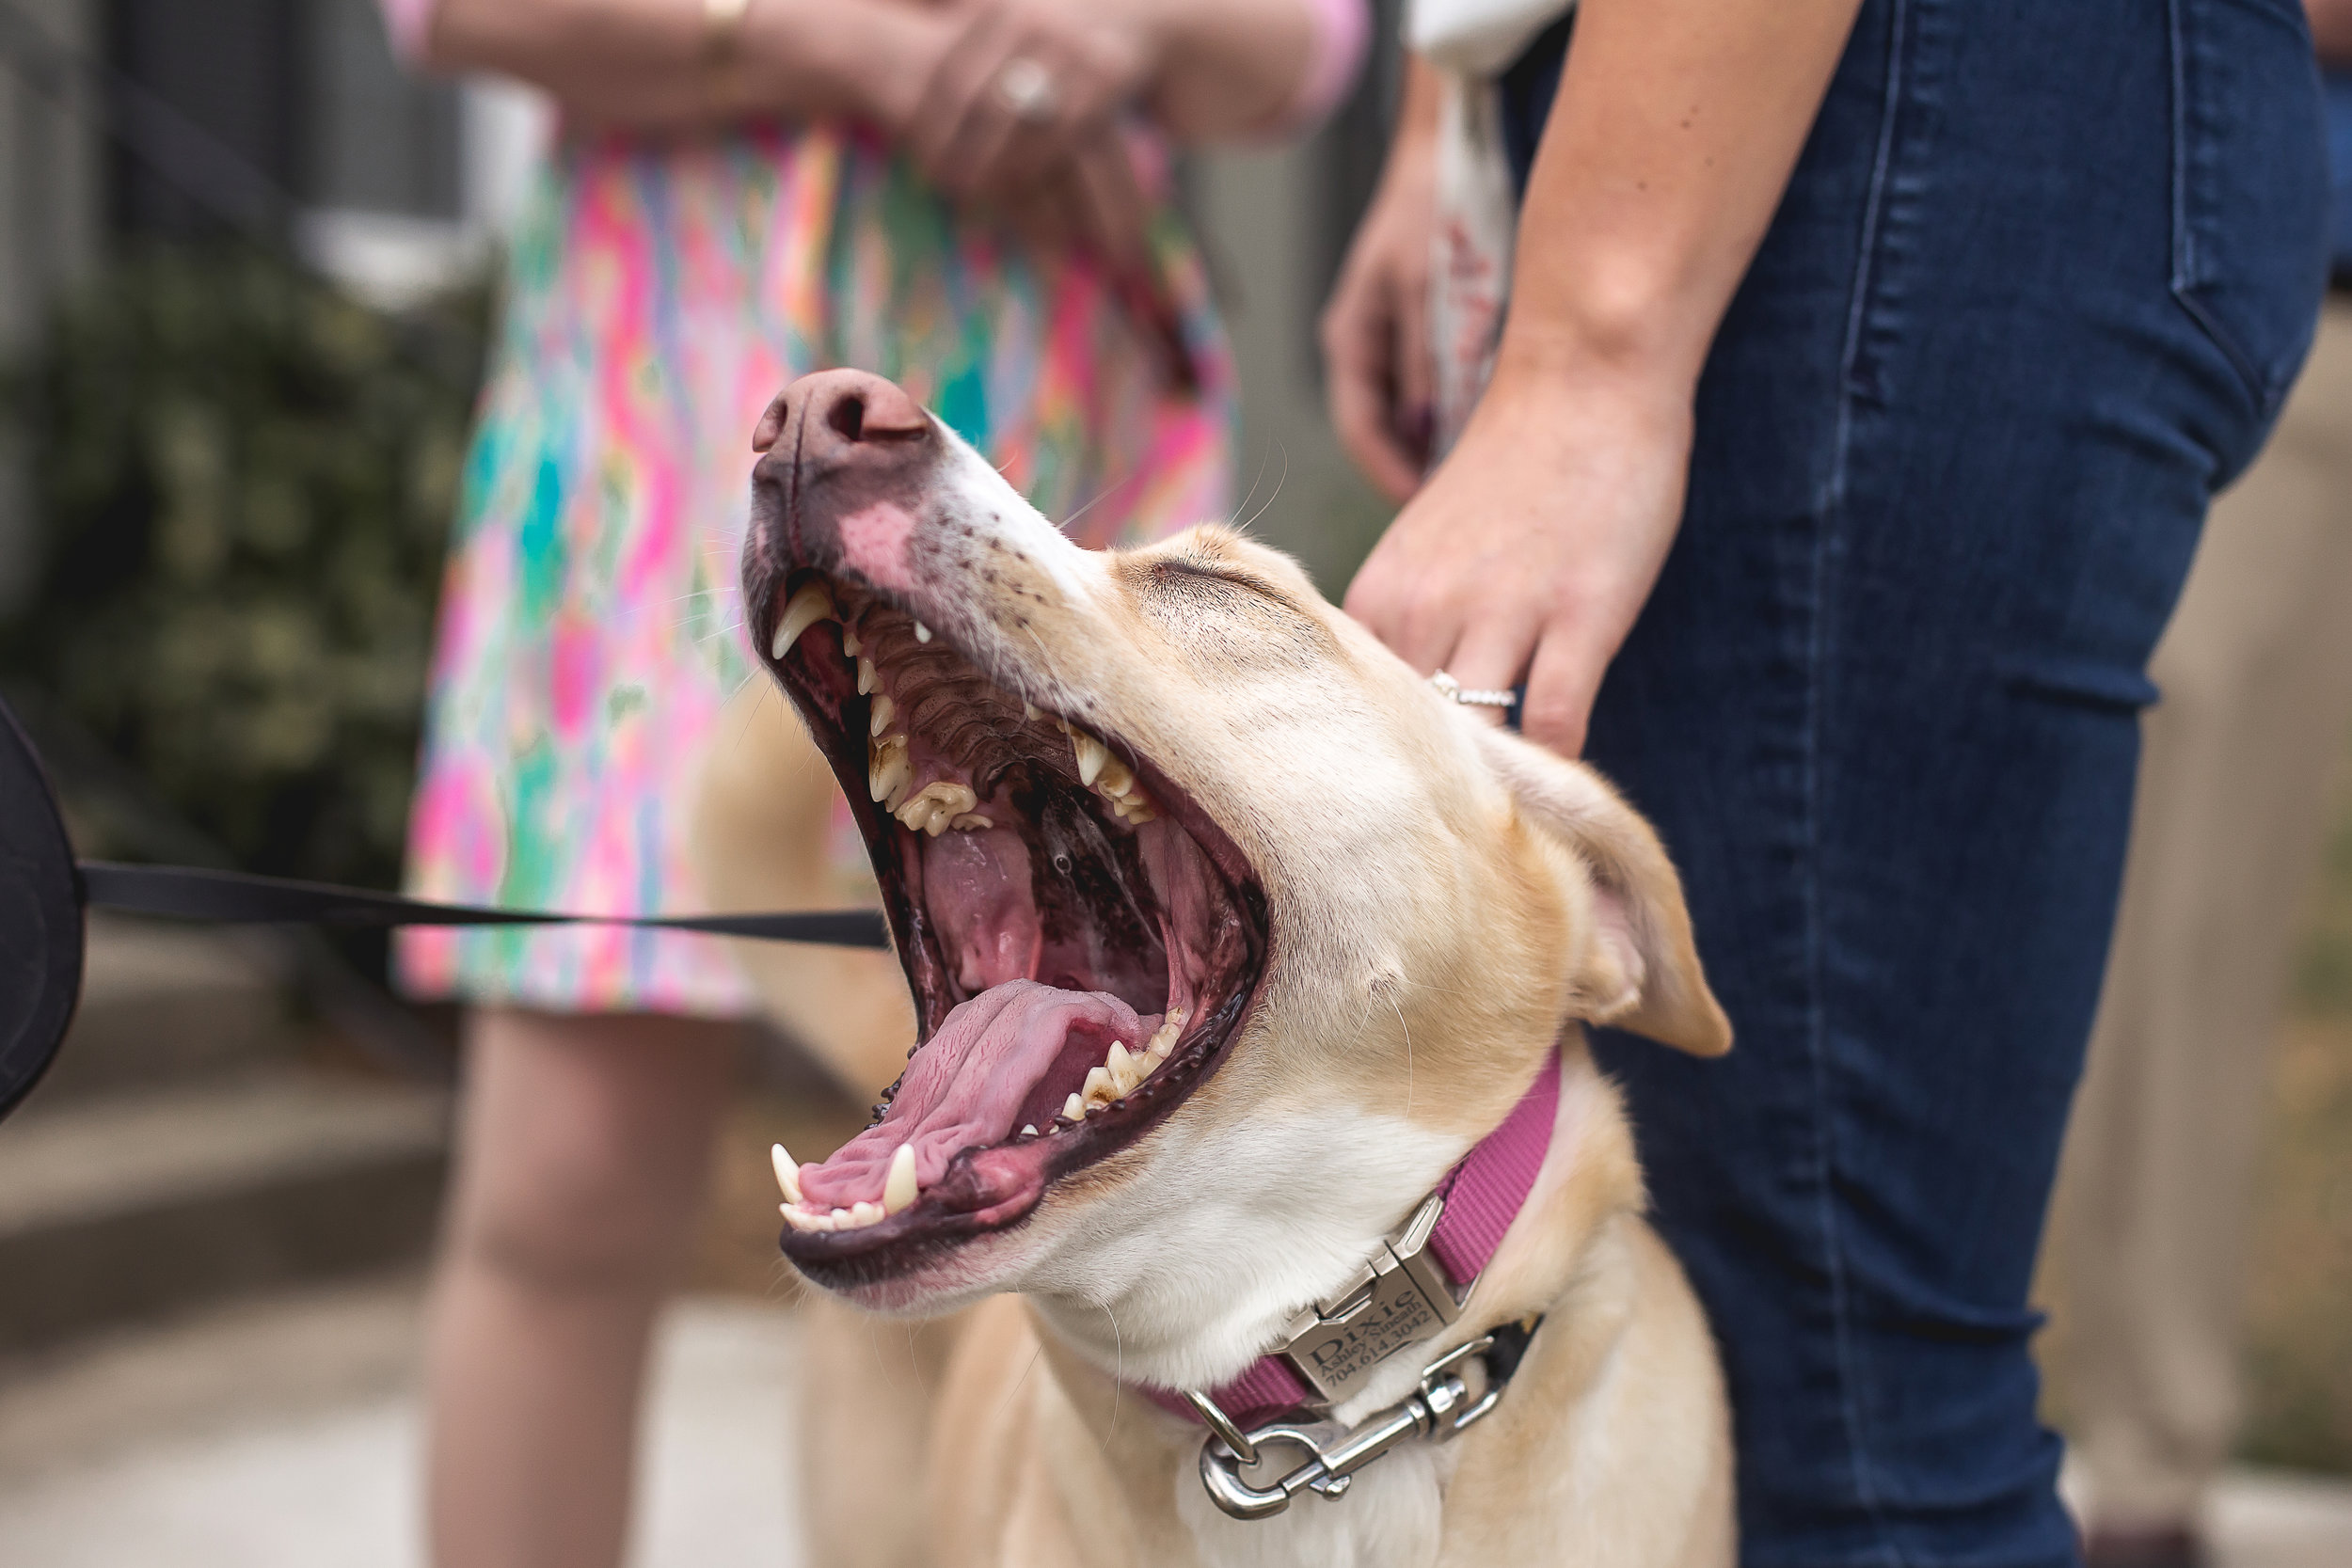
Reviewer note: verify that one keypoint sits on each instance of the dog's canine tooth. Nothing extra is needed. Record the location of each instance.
(887, 770)
(883, 708)
(806, 608)
(922, 632)
(1091, 756)
(867, 678)
(787, 1172)
(1075, 1109)
(898, 1188)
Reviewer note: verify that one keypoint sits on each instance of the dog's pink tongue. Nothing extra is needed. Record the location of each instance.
(974, 1080)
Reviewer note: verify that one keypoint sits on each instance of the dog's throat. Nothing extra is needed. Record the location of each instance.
(1406, 1294)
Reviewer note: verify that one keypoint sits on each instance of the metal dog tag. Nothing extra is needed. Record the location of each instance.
(1400, 1299)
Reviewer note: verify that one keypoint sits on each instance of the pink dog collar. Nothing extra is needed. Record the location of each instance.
(1408, 1290)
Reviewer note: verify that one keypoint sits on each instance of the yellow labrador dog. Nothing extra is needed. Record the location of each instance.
(1246, 970)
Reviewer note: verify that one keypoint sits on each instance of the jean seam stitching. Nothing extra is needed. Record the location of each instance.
(2184, 240)
(2185, 280)
(1849, 1377)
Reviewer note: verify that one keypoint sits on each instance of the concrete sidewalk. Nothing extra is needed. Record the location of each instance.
(283, 1434)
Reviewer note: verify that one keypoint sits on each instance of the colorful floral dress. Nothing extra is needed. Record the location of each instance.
(658, 297)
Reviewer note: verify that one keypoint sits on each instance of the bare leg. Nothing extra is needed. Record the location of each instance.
(584, 1143)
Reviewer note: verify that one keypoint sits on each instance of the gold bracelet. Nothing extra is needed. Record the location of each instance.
(722, 29)
(722, 53)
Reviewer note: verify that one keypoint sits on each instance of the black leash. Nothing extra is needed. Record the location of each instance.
(44, 890)
(187, 893)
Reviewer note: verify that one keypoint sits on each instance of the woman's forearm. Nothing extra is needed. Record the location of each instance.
(1221, 68)
(1676, 127)
(666, 63)
(2331, 31)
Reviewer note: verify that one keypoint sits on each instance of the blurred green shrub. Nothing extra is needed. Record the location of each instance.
(243, 479)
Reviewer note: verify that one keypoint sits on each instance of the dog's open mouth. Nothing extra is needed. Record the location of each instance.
(1081, 940)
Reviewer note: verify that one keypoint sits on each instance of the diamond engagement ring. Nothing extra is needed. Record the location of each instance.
(1453, 690)
(1026, 90)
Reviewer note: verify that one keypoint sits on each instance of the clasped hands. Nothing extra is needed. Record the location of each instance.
(1019, 107)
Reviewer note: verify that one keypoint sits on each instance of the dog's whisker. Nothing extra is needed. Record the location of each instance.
(1014, 1392)
(1252, 495)
(1111, 489)
(1272, 495)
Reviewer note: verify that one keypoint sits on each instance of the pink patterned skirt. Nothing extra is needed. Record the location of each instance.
(657, 296)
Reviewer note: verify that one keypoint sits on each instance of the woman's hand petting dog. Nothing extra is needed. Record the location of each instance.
(1533, 548)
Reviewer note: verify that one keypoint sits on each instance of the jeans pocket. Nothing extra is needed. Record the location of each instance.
(2250, 184)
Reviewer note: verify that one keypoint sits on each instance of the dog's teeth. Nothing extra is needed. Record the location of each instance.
(887, 770)
(898, 1188)
(1029, 1130)
(1091, 753)
(809, 606)
(1030, 712)
(863, 1213)
(787, 1172)
(1075, 1109)
(883, 708)
(1115, 779)
(1126, 1071)
(922, 632)
(850, 644)
(969, 820)
(933, 807)
(1098, 1087)
(867, 679)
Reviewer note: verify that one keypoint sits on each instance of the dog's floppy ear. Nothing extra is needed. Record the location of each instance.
(1641, 969)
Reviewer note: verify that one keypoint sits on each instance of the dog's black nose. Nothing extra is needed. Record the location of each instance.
(833, 411)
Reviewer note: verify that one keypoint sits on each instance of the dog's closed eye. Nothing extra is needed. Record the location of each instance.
(1227, 615)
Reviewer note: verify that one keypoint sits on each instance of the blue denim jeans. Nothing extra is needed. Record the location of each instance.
(2043, 275)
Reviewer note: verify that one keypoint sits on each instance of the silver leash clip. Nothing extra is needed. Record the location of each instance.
(1439, 1408)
